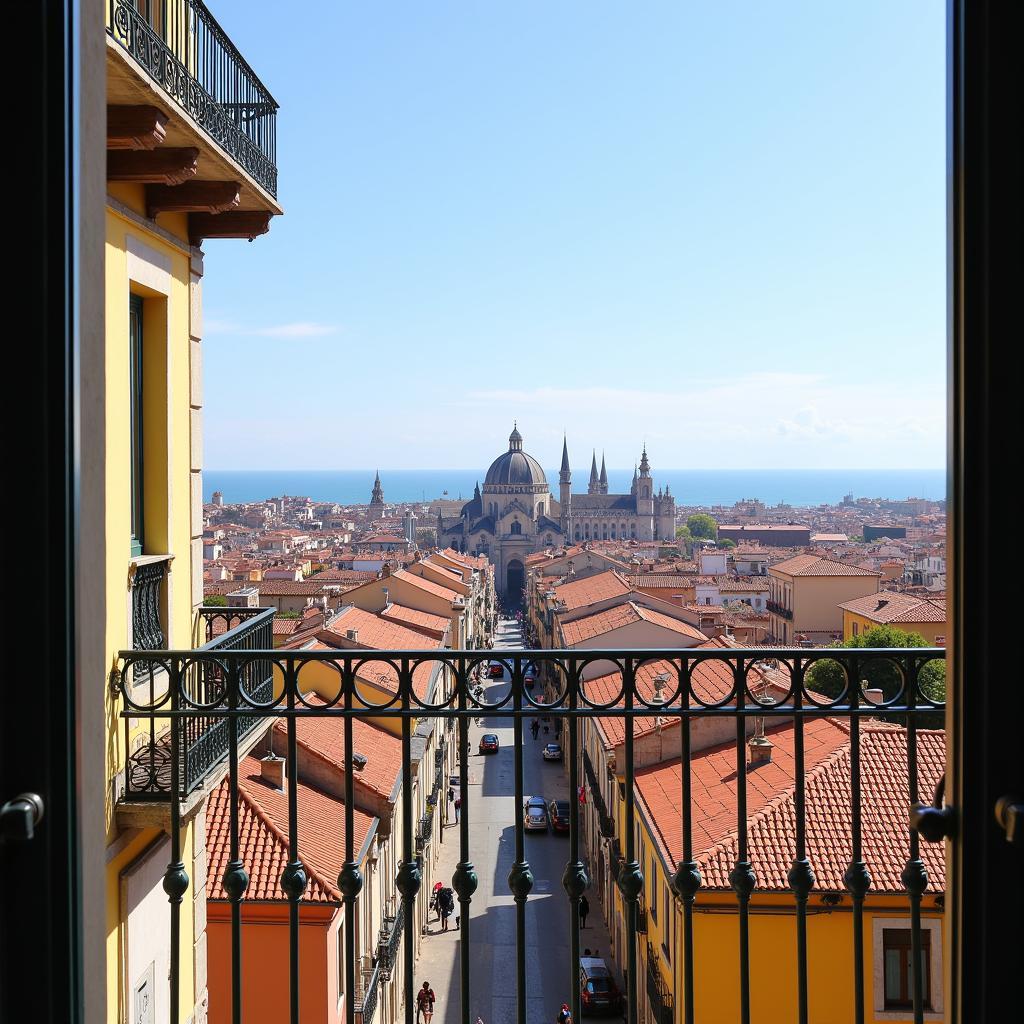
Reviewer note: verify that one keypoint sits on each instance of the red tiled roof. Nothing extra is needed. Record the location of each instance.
(771, 813)
(424, 584)
(712, 682)
(578, 593)
(816, 565)
(325, 737)
(889, 606)
(415, 619)
(263, 837)
(378, 632)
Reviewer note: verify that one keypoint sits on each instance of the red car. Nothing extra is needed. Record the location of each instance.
(488, 743)
(496, 670)
(558, 815)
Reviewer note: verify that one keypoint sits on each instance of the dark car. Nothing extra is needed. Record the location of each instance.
(489, 743)
(552, 752)
(496, 670)
(598, 991)
(558, 815)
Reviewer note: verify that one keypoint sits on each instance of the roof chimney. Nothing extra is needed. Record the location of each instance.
(385, 569)
(874, 694)
(272, 771)
(387, 599)
(760, 748)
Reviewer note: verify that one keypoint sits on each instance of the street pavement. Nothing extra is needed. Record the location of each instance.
(493, 921)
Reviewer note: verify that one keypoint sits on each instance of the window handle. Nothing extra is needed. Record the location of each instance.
(1010, 815)
(19, 817)
(934, 822)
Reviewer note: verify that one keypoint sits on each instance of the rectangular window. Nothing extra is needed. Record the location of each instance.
(666, 939)
(341, 961)
(654, 890)
(897, 960)
(135, 350)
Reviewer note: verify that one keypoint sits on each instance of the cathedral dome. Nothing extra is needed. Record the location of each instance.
(515, 466)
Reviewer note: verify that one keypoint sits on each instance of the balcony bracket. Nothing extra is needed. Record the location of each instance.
(169, 166)
(193, 197)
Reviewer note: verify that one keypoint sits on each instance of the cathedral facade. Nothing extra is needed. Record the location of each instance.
(515, 514)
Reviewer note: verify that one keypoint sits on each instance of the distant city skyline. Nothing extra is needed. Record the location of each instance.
(717, 228)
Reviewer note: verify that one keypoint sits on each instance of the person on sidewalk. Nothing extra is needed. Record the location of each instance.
(584, 911)
(535, 728)
(446, 904)
(458, 808)
(425, 1003)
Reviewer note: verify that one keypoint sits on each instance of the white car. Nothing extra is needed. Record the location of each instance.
(552, 752)
(535, 814)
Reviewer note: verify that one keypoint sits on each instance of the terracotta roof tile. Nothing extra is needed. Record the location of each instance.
(771, 813)
(890, 606)
(816, 565)
(577, 593)
(263, 837)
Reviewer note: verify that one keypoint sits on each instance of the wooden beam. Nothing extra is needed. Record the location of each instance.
(192, 197)
(135, 127)
(168, 166)
(236, 224)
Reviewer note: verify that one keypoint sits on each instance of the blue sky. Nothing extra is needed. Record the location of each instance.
(718, 227)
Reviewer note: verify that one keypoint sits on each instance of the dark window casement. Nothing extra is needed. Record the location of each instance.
(898, 968)
(135, 347)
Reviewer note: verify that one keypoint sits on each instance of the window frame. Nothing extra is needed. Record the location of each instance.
(136, 396)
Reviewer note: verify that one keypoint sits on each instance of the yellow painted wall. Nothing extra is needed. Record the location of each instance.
(931, 631)
(143, 262)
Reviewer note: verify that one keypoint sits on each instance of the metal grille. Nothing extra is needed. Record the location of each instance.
(677, 698)
(185, 51)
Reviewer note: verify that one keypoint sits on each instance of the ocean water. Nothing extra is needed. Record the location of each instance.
(806, 487)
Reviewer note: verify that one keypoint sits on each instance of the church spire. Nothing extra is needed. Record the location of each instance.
(603, 482)
(595, 481)
(377, 495)
(565, 471)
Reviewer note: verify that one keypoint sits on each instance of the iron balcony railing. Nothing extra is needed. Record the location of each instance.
(365, 1005)
(201, 741)
(779, 609)
(686, 702)
(658, 993)
(147, 584)
(390, 940)
(190, 57)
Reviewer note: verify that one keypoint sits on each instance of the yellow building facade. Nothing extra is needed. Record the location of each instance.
(171, 183)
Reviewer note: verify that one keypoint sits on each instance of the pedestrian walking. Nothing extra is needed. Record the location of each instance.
(425, 1003)
(535, 728)
(446, 905)
(584, 911)
(564, 1015)
(458, 807)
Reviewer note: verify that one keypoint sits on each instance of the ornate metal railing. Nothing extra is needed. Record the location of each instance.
(202, 741)
(778, 609)
(390, 940)
(146, 583)
(596, 796)
(365, 1005)
(185, 51)
(740, 715)
(658, 993)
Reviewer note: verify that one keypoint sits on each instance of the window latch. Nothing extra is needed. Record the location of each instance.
(1010, 815)
(19, 817)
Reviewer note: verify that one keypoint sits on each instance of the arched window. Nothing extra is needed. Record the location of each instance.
(516, 528)
(646, 492)
(540, 509)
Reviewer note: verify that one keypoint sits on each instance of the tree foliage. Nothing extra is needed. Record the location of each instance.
(828, 678)
(702, 525)
(215, 600)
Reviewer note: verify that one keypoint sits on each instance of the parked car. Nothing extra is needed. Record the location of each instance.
(598, 991)
(535, 814)
(558, 815)
(496, 670)
(489, 743)
(552, 752)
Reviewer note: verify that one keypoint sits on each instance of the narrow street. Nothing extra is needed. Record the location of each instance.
(493, 922)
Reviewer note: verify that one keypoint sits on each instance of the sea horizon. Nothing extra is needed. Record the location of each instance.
(690, 487)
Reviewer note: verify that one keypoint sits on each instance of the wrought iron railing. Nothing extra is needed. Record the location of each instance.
(185, 51)
(390, 941)
(147, 583)
(658, 993)
(202, 741)
(365, 1005)
(688, 704)
(779, 609)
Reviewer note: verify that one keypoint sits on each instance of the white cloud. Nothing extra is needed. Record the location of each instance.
(296, 329)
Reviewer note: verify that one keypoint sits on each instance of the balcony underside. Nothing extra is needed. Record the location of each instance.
(128, 84)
